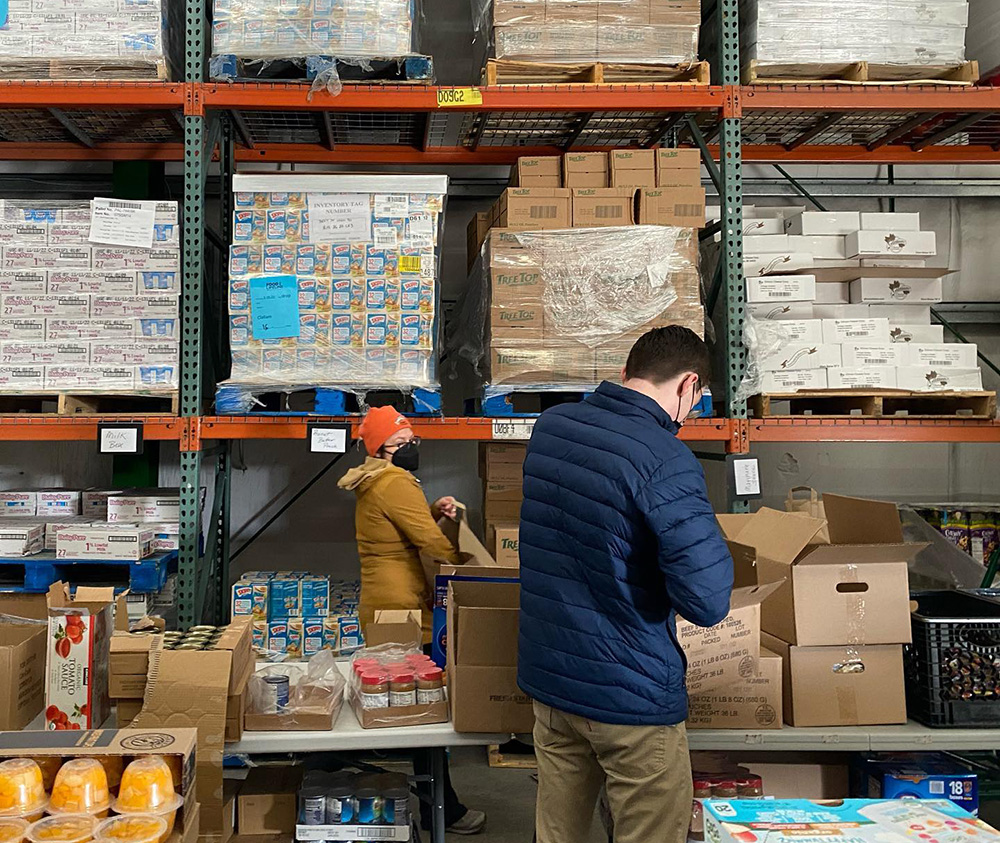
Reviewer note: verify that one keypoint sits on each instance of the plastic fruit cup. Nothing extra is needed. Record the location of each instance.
(22, 790)
(12, 829)
(66, 828)
(81, 787)
(112, 765)
(133, 828)
(49, 765)
(148, 788)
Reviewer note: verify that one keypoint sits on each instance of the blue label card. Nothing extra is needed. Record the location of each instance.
(274, 307)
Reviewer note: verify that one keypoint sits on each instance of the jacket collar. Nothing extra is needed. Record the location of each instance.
(628, 402)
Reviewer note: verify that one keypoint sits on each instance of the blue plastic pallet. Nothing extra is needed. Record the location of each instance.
(41, 570)
(232, 399)
(500, 405)
(228, 67)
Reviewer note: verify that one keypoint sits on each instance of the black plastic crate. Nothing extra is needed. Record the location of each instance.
(953, 664)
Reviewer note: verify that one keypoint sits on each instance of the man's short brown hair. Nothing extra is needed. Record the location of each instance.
(663, 353)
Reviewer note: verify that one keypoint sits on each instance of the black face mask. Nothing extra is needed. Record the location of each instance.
(407, 456)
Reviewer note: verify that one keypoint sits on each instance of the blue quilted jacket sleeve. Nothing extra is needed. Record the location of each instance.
(696, 563)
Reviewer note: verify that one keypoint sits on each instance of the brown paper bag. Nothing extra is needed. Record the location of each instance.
(811, 506)
(470, 550)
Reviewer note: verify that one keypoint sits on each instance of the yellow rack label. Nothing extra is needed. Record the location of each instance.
(450, 97)
(409, 263)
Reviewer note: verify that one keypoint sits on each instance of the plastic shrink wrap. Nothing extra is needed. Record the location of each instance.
(363, 253)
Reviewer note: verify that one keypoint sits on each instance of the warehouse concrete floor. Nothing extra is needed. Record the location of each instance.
(507, 796)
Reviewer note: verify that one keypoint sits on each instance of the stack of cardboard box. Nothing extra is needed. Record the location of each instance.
(840, 614)
(500, 467)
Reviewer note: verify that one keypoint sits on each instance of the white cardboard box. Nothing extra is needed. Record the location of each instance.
(800, 379)
(823, 222)
(856, 330)
(870, 377)
(945, 355)
(797, 331)
(22, 377)
(107, 330)
(777, 264)
(23, 328)
(92, 282)
(781, 288)
(21, 537)
(57, 502)
(143, 508)
(832, 292)
(44, 305)
(902, 332)
(826, 246)
(893, 263)
(902, 243)
(841, 311)
(802, 356)
(45, 353)
(859, 355)
(923, 379)
(897, 290)
(902, 314)
(104, 542)
(769, 244)
(18, 502)
(24, 281)
(90, 377)
(777, 311)
(890, 222)
(762, 226)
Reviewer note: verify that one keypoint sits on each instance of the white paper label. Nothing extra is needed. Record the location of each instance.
(120, 222)
(339, 218)
(385, 236)
(328, 440)
(747, 477)
(391, 206)
(513, 428)
(119, 440)
(422, 230)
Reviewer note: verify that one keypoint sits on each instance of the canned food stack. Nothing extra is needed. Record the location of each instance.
(333, 283)
(345, 799)
(83, 316)
(842, 300)
(653, 32)
(392, 685)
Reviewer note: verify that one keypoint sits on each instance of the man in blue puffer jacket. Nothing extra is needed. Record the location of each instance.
(617, 538)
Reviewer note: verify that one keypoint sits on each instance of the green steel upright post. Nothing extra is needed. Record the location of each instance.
(731, 169)
(191, 303)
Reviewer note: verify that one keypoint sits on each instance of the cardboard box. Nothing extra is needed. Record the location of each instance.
(268, 801)
(890, 222)
(830, 246)
(769, 226)
(766, 244)
(504, 472)
(447, 575)
(929, 379)
(799, 775)
(843, 311)
(534, 208)
(950, 355)
(77, 653)
(516, 285)
(870, 330)
(499, 490)
(841, 685)
(867, 377)
(482, 658)
(781, 288)
(494, 453)
(857, 355)
(22, 665)
(823, 223)
(599, 207)
(728, 652)
(897, 290)
(526, 321)
(585, 169)
(230, 790)
(904, 333)
(104, 542)
(852, 591)
(801, 379)
(494, 510)
(678, 167)
(126, 711)
(504, 541)
(793, 356)
(634, 168)
(753, 703)
(915, 776)
(683, 207)
(879, 243)
(783, 312)
(144, 506)
(17, 539)
(776, 264)
(537, 171)
(800, 331)
(833, 293)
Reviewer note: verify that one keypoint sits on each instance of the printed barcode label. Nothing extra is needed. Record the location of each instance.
(603, 212)
(120, 203)
(687, 210)
(782, 293)
(854, 333)
(936, 788)
(542, 212)
(875, 361)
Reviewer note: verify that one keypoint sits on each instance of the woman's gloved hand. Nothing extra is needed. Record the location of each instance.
(446, 506)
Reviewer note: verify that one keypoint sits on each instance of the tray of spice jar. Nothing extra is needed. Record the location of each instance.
(392, 685)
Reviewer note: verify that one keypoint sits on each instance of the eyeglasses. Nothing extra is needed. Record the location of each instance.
(415, 441)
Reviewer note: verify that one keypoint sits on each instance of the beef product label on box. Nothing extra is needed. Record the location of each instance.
(25, 328)
(24, 281)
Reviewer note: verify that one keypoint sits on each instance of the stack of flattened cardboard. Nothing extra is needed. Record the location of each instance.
(500, 467)
(841, 612)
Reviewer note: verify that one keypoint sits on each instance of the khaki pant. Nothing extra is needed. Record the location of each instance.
(646, 769)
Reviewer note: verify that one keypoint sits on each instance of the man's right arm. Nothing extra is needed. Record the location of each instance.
(696, 563)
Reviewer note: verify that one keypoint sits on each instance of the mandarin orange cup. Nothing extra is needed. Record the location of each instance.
(12, 829)
(148, 788)
(22, 789)
(64, 828)
(132, 828)
(81, 787)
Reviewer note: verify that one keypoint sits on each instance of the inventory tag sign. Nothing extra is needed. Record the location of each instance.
(119, 438)
(456, 97)
(339, 218)
(274, 307)
(121, 222)
(329, 438)
(513, 428)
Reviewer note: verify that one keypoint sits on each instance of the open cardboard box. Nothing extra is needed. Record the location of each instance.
(754, 703)
(446, 575)
(853, 590)
(22, 673)
(471, 551)
(402, 628)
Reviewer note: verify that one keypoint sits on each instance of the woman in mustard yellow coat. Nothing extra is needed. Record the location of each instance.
(394, 525)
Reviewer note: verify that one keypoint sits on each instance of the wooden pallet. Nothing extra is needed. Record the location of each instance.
(507, 72)
(394, 70)
(877, 404)
(85, 70)
(82, 404)
(860, 73)
(512, 755)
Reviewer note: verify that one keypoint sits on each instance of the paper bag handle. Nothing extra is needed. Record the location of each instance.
(813, 494)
